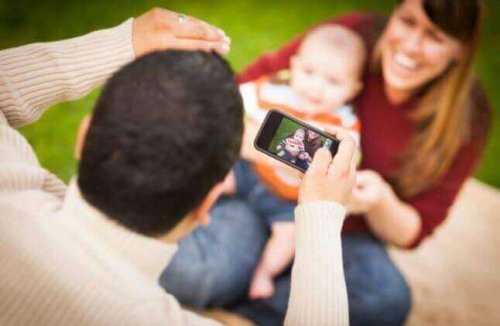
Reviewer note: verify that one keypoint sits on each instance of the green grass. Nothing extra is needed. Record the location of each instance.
(254, 26)
(285, 129)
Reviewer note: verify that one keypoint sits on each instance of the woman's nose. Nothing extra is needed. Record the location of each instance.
(413, 42)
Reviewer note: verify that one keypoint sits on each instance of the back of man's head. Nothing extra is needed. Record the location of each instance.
(165, 130)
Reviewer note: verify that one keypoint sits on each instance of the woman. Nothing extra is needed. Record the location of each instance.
(312, 143)
(424, 125)
(419, 83)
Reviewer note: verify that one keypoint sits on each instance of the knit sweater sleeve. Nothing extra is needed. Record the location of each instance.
(35, 76)
(318, 292)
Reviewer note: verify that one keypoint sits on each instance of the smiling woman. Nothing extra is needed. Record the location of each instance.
(430, 45)
(424, 123)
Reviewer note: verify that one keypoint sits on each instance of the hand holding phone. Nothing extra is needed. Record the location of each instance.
(292, 141)
(331, 179)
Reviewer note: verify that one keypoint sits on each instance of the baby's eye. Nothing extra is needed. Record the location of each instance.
(332, 81)
(308, 71)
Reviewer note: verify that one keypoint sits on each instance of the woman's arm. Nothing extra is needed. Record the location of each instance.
(395, 222)
(389, 218)
(407, 223)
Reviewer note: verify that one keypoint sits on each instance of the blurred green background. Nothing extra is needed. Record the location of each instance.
(254, 26)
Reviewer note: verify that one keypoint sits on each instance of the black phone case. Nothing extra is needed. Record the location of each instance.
(303, 124)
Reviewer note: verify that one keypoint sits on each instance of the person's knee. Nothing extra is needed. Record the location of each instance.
(378, 292)
(213, 265)
(396, 301)
(388, 303)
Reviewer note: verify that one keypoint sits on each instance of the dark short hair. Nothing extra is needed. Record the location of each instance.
(166, 128)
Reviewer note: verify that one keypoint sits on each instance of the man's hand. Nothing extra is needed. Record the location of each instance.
(328, 179)
(161, 29)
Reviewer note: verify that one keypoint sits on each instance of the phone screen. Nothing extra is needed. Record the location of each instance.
(292, 141)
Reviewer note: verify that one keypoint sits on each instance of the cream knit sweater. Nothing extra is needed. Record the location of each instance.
(65, 263)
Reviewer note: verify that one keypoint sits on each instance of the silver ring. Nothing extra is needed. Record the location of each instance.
(181, 18)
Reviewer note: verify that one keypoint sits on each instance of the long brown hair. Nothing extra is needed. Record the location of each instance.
(443, 116)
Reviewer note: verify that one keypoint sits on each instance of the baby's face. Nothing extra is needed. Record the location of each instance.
(323, 79)
(299, 135)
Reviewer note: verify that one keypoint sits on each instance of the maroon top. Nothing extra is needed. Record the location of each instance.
(386, 131)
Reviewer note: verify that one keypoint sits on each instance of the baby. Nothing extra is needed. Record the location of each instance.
(292, 147)
(325, 76)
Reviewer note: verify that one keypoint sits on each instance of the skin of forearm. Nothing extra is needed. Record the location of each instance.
(394, 221)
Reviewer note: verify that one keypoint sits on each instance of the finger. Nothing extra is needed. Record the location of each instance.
(191, 45)
(354, 161)
(332, 130)
(320, 163)
(360, 179)
(345, 151)
(339, 132)
(215, 33)
(193, 28)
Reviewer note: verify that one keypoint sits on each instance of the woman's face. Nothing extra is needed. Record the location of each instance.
(414, 50)
(312, 135)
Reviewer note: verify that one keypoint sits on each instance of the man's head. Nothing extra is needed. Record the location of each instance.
(326, 72)
(166, 129)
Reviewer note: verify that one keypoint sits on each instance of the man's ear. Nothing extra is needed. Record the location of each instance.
(80, 136)
(201, 213)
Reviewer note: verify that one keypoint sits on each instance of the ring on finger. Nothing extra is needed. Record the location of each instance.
(181, 18)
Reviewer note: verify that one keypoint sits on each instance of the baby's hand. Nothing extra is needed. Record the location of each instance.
(305, 156)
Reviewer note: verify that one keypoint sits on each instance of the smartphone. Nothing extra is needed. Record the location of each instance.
(292, 141)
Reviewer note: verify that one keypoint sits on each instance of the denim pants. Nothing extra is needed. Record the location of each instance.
(266, 204)
(214, 264)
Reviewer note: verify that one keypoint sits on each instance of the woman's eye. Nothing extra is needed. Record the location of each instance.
(408, 21)
(435, 37)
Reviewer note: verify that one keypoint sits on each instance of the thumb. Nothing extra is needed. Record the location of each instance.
(321, 162)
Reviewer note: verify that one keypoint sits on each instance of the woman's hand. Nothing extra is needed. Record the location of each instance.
(331, 179)
(161, 29)
(370, 190)
(390, 219)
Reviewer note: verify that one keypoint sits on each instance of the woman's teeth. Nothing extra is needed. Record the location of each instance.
(404, 61)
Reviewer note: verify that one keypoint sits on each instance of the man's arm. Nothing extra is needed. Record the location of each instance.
(36, 76)
(318, 294)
